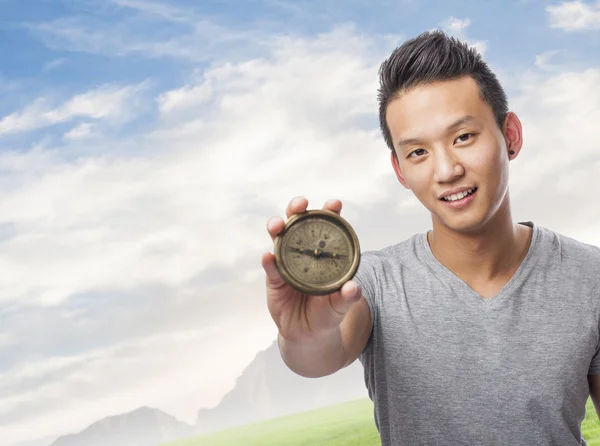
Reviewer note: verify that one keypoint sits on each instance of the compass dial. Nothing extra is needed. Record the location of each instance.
(317, 252)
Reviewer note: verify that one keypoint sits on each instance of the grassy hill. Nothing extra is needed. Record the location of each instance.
(348, 424)
(591, 425)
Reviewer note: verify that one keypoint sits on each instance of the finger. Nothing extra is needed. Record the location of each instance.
(333, 205)
(274, 279)
(296, 206)
(348, 295)
(274, 226)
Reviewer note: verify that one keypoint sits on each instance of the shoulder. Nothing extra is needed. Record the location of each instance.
(568, 257)
(570, 249)
(401, 253)
(379, 268)
(393, 262)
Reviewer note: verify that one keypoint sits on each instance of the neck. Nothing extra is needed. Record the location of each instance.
(491, 252)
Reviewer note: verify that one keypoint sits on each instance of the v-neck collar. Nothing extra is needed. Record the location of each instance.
(439, 269)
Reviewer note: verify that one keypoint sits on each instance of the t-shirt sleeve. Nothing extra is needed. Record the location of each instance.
(595, 363)
(366, 277)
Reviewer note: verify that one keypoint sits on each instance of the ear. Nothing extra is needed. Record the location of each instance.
(396, 167)
(513, 135)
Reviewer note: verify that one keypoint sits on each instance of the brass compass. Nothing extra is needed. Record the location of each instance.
(317, 252)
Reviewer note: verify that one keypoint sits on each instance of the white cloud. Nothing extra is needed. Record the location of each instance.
(184, 97)
(121, 222)
(6, 339)
(288, 6)
(53, 64)
(543, 61)
(80, 131)
(589, 234)
(195, 38)
(106, 103)
(456, 27)
(574, 15)
(559, 112)
(161, 10)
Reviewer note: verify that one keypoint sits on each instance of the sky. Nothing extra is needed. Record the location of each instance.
(145, 144)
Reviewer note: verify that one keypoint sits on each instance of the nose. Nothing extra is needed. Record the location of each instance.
(447, 167)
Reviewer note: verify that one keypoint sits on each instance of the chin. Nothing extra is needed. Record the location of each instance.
(466, 223)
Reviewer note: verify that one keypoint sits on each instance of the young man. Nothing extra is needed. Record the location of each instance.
(481, 331)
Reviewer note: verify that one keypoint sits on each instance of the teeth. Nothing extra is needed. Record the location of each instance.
(458, 196)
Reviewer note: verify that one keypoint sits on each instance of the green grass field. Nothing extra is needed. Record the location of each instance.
(591, 425)
(348, 424)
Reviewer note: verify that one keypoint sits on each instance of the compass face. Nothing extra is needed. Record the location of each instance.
(317, 252)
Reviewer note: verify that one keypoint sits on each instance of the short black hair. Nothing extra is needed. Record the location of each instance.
(430, 57)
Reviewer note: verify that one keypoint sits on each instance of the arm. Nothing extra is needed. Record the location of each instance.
(332, 351)
(594, 382)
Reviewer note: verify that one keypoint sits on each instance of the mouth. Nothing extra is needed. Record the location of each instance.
(460, 200)
(459, 196)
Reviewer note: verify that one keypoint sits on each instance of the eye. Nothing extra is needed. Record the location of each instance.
(464, 137)
(417, 152)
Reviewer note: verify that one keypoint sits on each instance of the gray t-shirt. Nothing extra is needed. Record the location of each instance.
(445, 366)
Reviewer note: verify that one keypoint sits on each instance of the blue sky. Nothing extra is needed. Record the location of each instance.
(63, 47)
(144, 144)
(59, 48)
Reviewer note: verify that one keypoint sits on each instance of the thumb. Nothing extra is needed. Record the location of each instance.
(348, 295)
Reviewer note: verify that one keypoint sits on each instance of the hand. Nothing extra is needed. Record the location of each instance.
(299, 316)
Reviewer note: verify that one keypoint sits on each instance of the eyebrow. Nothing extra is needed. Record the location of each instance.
(456, 124)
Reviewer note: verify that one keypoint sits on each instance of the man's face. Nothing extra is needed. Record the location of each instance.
(447, 139)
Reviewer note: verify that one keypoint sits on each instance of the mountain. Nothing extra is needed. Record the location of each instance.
(267, 388)
(142, 427)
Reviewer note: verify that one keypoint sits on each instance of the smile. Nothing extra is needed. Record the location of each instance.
(460, 195)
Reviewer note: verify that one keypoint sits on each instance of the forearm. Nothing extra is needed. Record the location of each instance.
(314, 358)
